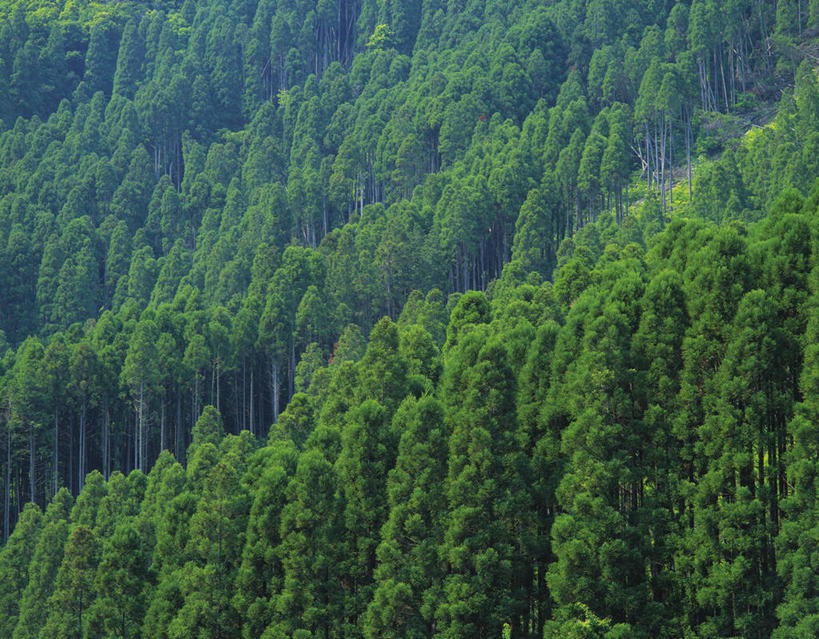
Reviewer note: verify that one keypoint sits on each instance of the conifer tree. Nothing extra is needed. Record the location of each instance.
(121, 581)
(74, 593)
(46, 558)
(311, 599)
(408, 571)
(15, 562)
(477, 593)
(261, 575)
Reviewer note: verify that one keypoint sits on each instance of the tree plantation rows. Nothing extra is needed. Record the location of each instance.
(630, 452)
(198, 202)
(370, 319)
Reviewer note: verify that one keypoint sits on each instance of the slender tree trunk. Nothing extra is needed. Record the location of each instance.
(56, 450)
(239, 425)
(31, 463)
(71, 483)
(656, 155)
(292, 368)
(628, 202)
(7, 502)
(662, 162)
(260, 419)
(799, 15)
(688, 149)
(251, 400)
(106, 439)
(671, 160)
(81, 451)
(275, 373)
(648, 156)
(140, 425)
(162, 425)
(195, 414)
(177, 448)
(703, 94)
(724, 83)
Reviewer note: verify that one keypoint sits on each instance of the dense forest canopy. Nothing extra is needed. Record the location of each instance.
(383, 318)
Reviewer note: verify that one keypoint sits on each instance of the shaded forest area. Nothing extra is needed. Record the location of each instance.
(585, 418)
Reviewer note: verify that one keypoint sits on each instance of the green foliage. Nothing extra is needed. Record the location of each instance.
(46, 558)
(399, 306)
(120, 583)
(15, 560)
(74, 593)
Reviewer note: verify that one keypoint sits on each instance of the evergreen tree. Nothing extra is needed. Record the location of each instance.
(477, 593)
(15, 563)
(46, 558)
(120, 583)
(74, 593)
(408, 571)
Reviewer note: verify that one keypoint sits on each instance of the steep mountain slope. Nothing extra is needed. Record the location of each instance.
(205, 208)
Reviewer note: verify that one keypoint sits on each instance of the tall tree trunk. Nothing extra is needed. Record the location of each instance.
(662, 162)
(724, 83)
(177, 447)
(464, 269)
(56, 477)
(140, 430)
(648, 156)
(688, 149)
(236, 400)
(275, 373)
(7, 501)
(71, 483)
(81, 451)
(218, 375)
(670, 160)
(31, 463)
(292, 380)
(162, 425)
(251, 399)
(106, 439)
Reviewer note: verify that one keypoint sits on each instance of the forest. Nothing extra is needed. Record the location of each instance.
(371, 319)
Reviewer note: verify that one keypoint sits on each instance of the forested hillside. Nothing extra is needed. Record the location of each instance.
(590, 408)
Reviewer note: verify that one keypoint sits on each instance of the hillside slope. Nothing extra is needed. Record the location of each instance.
(205, 208)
